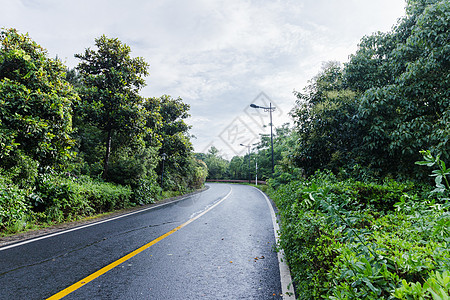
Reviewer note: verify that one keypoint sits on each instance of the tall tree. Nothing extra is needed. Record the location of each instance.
(326, 127)
(217, 165)
(236, 168)
(173, 130)
(404, 76)
(35, 103)
(110, 94)
(390, 101)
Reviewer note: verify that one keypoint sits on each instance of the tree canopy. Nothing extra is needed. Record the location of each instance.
(390, 101)
(35, 103)
(110, 96)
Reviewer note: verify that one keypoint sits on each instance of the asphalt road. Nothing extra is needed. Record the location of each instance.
(217, 244)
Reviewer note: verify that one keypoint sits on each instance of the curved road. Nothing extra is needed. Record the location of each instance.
(217, 244)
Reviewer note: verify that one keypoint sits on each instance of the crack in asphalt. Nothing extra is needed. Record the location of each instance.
(147, 226)
(54, 258)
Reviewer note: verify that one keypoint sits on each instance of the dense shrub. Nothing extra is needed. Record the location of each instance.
(105, 196)
(128, 166)
(13, 207)
(355, 240)
(60, 197)
(146, 191)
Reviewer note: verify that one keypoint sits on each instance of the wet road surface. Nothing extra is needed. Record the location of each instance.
(218, 244)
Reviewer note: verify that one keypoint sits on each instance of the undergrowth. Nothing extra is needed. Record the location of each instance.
(58, 198)
(347, 239)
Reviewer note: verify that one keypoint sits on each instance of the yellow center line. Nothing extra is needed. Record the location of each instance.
(114, 264)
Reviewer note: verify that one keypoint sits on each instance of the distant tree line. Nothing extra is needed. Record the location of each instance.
(260, 156)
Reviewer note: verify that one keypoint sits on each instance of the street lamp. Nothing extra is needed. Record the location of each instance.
(256, 172)
(269, 109)
(163, 157)
(249, 175)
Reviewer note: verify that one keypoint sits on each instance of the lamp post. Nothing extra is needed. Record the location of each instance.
(256, 173)
(249, 176)
(269, 109)
(163, 157)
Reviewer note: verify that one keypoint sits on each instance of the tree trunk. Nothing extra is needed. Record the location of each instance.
(107, 154)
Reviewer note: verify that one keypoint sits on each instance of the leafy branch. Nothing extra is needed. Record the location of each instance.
(440, 173)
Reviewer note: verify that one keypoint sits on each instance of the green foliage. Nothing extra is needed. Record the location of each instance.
(129, 165)
(237, 168)
(169, 133)
(284, 141)
(436, 287)
(110, 99)
(408, 110)
(118, 134)
(35, 103)
(198, 173)
(440, 174)
(217, 165)
(146, 191)
(326, 126)
(104, 196)
(23, 169)
(355, 240)
(387, 103)
(172, 132)
(13, 206)
(58, 197)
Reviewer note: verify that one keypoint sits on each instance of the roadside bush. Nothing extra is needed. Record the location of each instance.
(356, 240)
(407, 245)
(129, 166)
(198, 170)
(436, 287)
(21, 169)
(13, 207)
(147, 191)
(58, 198)
(105, 196)
(61, 197)
(381, 197)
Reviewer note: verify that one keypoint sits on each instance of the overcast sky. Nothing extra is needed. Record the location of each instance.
(218, 56)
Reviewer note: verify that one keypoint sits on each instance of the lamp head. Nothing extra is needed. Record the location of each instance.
(254, 106)
(163, 156)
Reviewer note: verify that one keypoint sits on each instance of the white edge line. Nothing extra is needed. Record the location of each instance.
(89, 225)
(285, 274)
(208, 209)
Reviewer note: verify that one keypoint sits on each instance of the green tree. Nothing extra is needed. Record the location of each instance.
(284, 142)
(236, 168)
(217, 165)
(390, 101)
(169, 132)
(173, 131)
(326, 127)
(404, 76)
(110, 96)
(35, 104)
